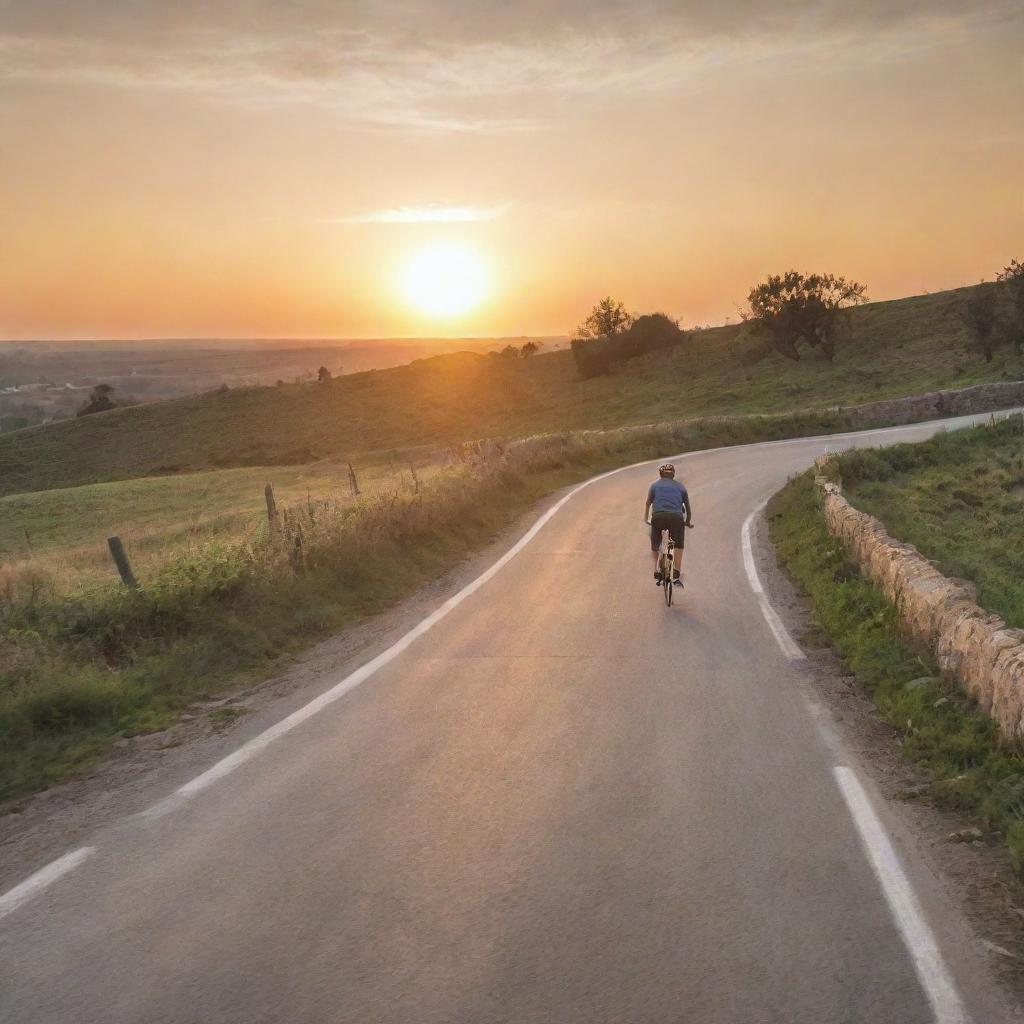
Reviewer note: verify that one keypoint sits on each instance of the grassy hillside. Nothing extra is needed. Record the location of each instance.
(894, 348)
(958, 498)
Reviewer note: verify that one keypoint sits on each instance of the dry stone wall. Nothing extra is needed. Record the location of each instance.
(972, 646)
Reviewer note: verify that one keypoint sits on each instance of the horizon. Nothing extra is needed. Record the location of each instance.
(396, 173)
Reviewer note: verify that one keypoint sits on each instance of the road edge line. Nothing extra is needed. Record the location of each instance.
(903, 903)
(790, 648)
(42, 879)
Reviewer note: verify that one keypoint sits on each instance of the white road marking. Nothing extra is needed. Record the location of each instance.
(789, 646)
(57, 868)
(360, 675)
(35, 884)
(906, 911)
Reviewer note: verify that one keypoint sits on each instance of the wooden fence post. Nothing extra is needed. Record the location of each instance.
(268, 493)
(353, 482)
(124, 567)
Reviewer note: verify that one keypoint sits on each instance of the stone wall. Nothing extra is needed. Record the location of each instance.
(939, 404)
(971, 645)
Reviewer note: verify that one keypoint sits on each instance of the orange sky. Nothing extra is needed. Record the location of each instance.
(267, 169)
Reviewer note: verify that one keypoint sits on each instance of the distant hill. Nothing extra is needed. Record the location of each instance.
(894, 347)
(45, 380)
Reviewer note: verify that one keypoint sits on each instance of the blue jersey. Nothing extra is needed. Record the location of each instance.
(668, 495)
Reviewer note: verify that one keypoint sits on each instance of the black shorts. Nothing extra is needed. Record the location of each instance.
(671, 521)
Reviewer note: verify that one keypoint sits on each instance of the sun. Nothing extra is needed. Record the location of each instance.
(444, 279)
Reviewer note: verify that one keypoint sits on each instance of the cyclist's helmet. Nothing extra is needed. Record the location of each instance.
(667, 469)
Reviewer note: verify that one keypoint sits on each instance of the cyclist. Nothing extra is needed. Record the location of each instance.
(671, 504)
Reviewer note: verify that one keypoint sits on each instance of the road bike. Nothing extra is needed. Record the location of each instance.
(667, 563)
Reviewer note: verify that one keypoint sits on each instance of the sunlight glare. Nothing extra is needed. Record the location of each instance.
(444, 280)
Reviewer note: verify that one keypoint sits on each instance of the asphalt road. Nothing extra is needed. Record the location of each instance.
(563, 803)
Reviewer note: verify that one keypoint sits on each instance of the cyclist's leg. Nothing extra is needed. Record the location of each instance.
(678, 534)
(655, 541)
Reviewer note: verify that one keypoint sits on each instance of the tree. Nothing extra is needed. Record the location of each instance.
(794, 307)
(323, 374)
(101, 399)
(591, 344)
(980, 315)
(510, 352)
(1011, 282)
(606, 319)
(530, 348)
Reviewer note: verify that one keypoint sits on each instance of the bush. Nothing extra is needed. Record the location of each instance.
(648, 333)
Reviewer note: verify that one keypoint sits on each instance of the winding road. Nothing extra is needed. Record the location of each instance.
(558, 801)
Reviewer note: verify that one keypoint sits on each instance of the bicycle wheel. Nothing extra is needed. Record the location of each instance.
(667, 585)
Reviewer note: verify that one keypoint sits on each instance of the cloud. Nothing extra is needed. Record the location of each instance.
(430, 214)
(497, 67)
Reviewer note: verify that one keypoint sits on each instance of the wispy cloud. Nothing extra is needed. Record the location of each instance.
(369, 74)
(432, 213)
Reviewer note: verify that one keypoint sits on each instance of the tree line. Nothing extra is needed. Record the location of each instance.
(793, 314)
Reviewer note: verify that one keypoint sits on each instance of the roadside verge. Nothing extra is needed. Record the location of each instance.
(940, 728)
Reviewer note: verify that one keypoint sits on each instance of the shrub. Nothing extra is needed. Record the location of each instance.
(791, 308)
(649, 333)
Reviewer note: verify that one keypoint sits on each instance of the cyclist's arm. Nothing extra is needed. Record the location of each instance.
(647, 511)
(688, 507)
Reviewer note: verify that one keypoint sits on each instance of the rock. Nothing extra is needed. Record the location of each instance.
(913, 792)
(940, 702)
(916, 684)
(965, 835)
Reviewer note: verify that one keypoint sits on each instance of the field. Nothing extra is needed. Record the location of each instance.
(63, 532)
(960, 500)
(898, 347)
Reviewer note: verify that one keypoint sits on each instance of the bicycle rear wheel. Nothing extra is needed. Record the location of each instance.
(667, 584)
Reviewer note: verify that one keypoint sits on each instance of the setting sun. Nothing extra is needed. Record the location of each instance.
(444, 280)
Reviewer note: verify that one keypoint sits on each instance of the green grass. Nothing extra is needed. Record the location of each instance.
(894, 348)
(938, 728)
(959, 499)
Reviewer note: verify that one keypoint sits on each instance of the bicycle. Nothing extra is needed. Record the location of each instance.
(666, 563)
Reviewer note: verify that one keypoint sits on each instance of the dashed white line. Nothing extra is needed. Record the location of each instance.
(35, 884)
(924, 950)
